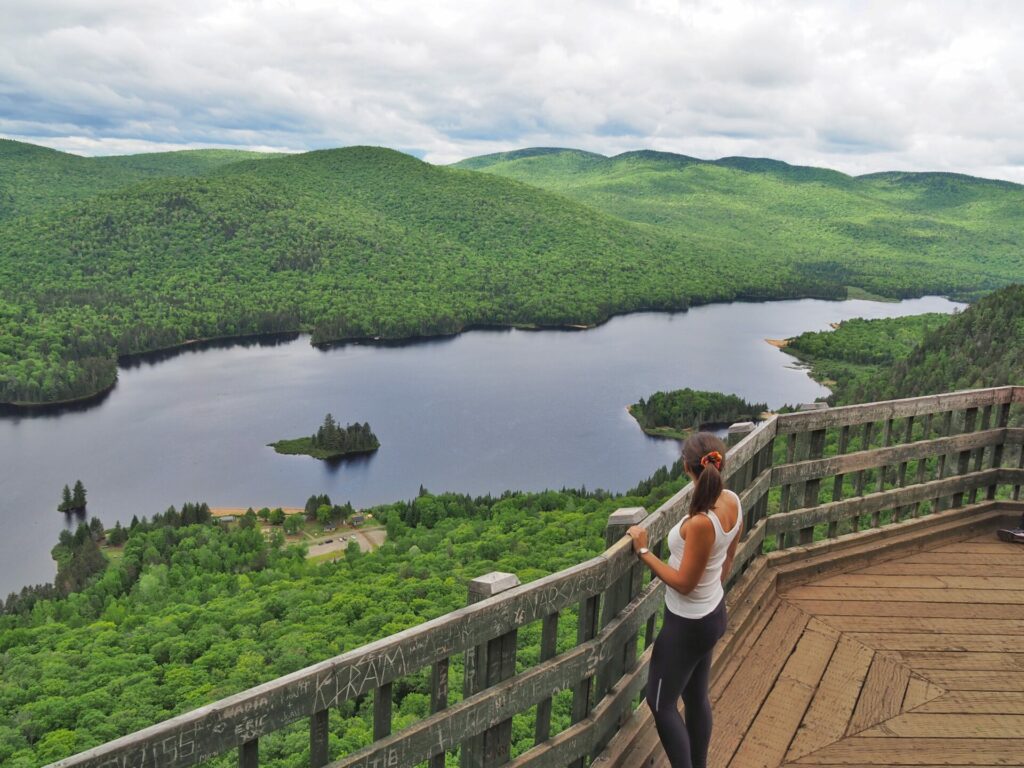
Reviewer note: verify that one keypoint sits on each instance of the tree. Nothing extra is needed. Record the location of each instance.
(78, 496)
(96, 530)
(66, 500)
(118, 536)
(277, 516)
(324, 513)
(264, 514)
(292, 523)
(248, 520)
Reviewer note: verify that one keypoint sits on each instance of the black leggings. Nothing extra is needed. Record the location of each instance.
(681, 666)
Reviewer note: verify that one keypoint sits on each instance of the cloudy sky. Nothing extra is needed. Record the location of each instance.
(859, 86)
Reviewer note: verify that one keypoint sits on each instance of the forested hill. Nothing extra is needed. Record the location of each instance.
(894, 234)
(34, 178)
(108, 256)
(866, 360)
(350, 243)
(983, 346)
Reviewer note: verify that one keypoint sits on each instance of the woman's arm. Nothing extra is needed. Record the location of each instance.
(700, 536)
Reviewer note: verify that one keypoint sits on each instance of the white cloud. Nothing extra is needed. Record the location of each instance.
(858, 86)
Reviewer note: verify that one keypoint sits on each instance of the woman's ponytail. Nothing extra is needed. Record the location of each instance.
(704, 456)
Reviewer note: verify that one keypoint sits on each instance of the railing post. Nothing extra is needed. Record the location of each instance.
(318, 739)
(964, 457)
(249, 754)
(486, 665)
(876, 516)
(738, 431)
(815, 449)
(979, 453)
(617, 597)
(548, 646)
(438, 699)
(997, 453)
(586, 630)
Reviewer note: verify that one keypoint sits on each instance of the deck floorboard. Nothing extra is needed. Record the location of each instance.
(914, 661)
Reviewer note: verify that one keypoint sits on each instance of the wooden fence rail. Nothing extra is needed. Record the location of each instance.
(800, 476)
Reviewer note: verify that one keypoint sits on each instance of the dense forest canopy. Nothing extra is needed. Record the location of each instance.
(893, 234)
(109, 256)
(193, 611)
(866, 360)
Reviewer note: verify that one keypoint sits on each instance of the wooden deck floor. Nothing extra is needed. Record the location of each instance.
(915, 661)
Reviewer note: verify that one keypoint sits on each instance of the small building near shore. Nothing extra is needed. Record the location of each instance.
(357, 520)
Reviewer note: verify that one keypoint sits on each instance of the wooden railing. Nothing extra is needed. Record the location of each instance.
(801, 476)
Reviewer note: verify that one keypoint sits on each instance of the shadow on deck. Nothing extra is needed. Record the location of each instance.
(897, 651)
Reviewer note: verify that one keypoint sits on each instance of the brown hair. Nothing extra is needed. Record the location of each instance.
(704, 456)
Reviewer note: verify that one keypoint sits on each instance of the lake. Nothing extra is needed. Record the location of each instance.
(482, 412)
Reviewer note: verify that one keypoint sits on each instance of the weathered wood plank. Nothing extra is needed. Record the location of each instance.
(966, 660)
(580, 739)
(919, 691)
(751, 545)
(548, 642)
(249, 754)
(745, 450)
(753, 492)
(472, 716)
(882, 693)
(956, 726)
(947, 559)
(742, 699)
(874, 581)
(970, 680)
(318, 739)
(924, 624)
(832, 706)
(977, 702)
(880, 751)
(903, 568)
(814, 469)
(767, 740)
(959, 610)
(861, 505)
(805, 421)
(909, 594)
(929, 641)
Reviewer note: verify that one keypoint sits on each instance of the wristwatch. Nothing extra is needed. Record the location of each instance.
(643, 551)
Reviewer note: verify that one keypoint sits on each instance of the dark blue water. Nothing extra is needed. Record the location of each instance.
(482, 412)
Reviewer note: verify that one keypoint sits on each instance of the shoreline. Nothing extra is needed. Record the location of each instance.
(17, 408)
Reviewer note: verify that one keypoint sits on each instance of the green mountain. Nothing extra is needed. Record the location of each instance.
(101, 257)
(866, 360)
(350, 243)
(893, 234)
(34, 178)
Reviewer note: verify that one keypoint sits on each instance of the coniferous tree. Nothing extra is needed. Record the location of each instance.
(66, 500)
(78, 496)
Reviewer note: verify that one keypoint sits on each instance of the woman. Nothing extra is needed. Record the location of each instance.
(702, 547)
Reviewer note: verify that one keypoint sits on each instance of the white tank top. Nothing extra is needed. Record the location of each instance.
(706, 595)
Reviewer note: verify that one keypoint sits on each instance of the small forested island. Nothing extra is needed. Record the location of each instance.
(332, 441)
(675, 414)
(72, 500)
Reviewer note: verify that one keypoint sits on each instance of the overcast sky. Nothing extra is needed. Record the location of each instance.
(859, 86)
